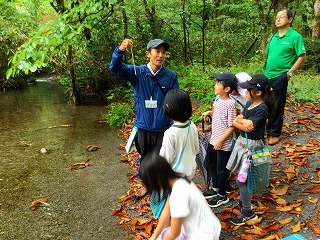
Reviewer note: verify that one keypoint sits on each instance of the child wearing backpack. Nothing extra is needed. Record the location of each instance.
(186, 215)
(180, 142)
(219, 148)
(252, 124)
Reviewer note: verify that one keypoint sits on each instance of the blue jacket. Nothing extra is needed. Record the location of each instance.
(145, 86)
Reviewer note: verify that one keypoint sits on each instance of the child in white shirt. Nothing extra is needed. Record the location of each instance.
(186, 214)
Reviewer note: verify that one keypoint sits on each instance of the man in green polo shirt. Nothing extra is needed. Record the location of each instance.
(285, 53)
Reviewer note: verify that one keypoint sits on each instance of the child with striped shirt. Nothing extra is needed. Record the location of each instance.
(220, 146)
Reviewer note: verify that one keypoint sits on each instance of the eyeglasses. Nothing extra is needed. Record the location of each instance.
(281, 17)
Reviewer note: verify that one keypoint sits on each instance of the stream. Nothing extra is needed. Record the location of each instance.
(41, 137)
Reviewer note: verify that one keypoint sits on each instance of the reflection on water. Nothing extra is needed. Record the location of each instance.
(80, 201)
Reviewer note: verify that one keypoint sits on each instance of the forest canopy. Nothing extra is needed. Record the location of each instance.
(75, 38)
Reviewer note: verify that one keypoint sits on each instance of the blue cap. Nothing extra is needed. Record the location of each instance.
(156, 42)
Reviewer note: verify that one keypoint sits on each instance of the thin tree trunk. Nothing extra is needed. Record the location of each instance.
(74, 96)
(125, 20)
(216, 5)
(204, 23)
(184, 29)
(316, 20)
(152, 18)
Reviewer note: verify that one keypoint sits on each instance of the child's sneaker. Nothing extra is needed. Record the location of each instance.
(243, 218)
(218, 200)
(212, 192)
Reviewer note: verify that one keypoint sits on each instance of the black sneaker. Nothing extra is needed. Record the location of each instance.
(218, 200)
(210, 193)
(242, 219)
(238, 204)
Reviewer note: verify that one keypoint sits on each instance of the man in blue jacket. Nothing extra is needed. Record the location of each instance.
(151, 82)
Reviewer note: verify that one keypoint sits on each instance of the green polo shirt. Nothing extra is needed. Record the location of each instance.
(283, 52)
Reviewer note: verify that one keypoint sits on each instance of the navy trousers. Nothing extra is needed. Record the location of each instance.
(220, 174)
(280, 86)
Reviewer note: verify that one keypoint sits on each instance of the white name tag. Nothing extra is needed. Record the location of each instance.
(151, 103)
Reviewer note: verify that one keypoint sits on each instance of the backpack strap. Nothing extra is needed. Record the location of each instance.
(175, 167)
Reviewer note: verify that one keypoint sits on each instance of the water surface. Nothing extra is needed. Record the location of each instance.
(80, 201)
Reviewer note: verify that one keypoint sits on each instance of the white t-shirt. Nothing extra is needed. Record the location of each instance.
(187, 202)
(174, 139)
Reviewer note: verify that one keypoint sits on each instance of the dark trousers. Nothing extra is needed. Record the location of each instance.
(147, 141)
(280, 86)
(220, 174)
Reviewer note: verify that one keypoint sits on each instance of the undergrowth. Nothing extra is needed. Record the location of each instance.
(304, 86)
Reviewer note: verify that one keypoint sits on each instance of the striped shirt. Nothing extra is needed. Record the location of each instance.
(224, 112)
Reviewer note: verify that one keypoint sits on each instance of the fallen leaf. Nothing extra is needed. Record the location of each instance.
(285, 221)
(285, 209)
(296, 228)
(39, 202)
(273, 226)
(314, 189)
(254, 222)
(255, 231)
(80, 165)
(92, 148)
(313, 200)
(271, 237)
(281, 201)
(315, 229)
(281, 191)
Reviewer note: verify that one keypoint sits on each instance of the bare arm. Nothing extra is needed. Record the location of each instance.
(175, 230)
(164, 221)
(243, 124)
(296, 65)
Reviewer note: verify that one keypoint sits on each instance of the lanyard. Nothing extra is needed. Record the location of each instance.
(151, 87)
(156, 82)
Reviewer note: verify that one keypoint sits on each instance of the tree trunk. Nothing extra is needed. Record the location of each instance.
(74, 95)
(216, 5)
(316, 20)
(185, 32)
(125, 20)
(152, 18)
(204, 23)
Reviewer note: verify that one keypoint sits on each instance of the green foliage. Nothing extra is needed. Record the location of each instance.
(120, 109)
(305, 86)
(118, 114)
(16, 23)
(313, 54)
(52, 39)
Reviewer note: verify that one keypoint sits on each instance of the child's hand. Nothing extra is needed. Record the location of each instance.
(217, 145)
(126, 43)
(153, 237)
(207, 116)
(248, 124)
(240, 117)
